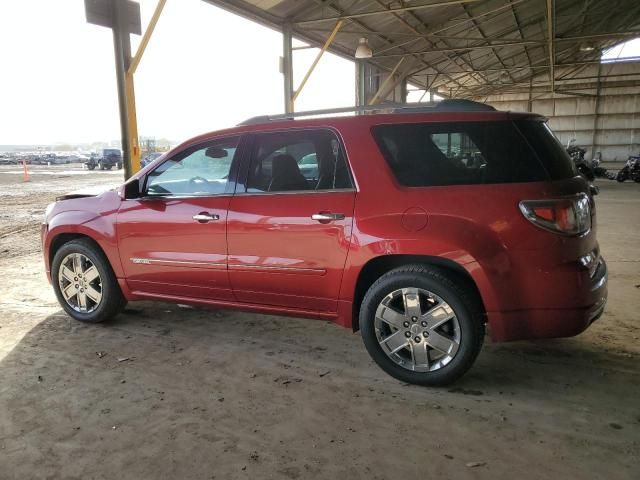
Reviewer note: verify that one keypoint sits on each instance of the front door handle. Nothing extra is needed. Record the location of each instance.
(327, 217)
(205, 217)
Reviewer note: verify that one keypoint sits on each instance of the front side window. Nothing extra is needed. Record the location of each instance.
(430, 154)
(202, 170)
(303, 160)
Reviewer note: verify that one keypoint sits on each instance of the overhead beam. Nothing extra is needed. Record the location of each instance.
(385, 12)
(380, 35)
(135, 61)
(317, 59)
(462, 49)
(596, 36)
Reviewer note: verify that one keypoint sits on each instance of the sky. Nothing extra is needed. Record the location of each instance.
(204, 69)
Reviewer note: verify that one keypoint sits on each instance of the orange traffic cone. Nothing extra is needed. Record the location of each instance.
(25, 175)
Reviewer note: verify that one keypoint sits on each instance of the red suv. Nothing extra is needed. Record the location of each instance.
(420, 228)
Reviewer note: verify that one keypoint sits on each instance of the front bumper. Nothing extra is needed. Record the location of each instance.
(553, 323)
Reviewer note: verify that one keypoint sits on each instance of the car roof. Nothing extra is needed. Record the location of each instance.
(396, 116)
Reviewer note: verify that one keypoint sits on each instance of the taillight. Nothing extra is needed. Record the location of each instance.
(568, 215)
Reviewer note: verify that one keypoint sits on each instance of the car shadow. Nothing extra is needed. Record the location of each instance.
(200, 380)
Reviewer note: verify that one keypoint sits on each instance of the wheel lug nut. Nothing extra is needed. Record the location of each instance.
(424, 324)
(77, 285)
(405, 324)
(417, 339)
(415, 319)
(407, 334)
(75, 279)
(425, 334)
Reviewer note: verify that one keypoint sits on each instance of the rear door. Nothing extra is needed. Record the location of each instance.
(172, 240)
(290, 221)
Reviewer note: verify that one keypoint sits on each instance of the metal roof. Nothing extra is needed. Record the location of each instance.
(464, 48)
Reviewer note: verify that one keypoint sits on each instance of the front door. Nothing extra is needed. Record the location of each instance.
(172, 240)
(290, 222)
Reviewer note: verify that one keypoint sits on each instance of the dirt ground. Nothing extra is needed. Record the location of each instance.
(165, 392)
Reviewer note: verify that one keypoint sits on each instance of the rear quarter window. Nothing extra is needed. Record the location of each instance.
(550, 151)
(461, 153)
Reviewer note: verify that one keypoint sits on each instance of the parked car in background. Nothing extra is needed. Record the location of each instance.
(105, 160)
(393, 235)
(7, 160)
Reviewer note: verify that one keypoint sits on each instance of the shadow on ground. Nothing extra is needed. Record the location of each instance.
(167, 392)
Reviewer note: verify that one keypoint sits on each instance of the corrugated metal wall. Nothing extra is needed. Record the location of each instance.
(608, 123)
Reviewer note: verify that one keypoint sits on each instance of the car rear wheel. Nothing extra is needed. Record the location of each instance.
(420, 326)
(84, 282)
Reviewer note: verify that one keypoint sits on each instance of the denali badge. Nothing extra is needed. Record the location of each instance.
(146, 261)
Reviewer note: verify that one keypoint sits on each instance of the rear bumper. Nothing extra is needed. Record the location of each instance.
(553, 323)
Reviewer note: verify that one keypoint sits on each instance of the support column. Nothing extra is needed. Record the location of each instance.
(361, 83)
(596, 113)
(122, 49)
(287, 68)
(403, 90)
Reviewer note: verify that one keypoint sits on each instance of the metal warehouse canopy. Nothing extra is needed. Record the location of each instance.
(461, 48)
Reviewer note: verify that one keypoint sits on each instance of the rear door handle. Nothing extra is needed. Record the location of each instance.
(327, 217)
(205, 217)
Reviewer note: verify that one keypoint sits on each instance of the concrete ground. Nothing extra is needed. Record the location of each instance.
(165, 392)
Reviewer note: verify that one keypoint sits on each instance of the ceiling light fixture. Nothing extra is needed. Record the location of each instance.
(364, 50)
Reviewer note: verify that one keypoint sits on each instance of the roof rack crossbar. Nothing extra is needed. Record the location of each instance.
(448, 105)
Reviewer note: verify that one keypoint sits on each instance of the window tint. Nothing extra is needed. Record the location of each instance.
(202, 170)
(550, 151)
(430, 154)
(297, 161)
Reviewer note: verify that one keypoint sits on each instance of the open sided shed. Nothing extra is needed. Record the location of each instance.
(533, 55)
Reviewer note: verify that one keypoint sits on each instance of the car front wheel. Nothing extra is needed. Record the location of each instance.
(84, 282)
(420, 326)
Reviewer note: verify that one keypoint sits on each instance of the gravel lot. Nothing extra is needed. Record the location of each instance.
(177, 393)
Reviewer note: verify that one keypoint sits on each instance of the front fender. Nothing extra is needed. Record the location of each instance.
(100, 227)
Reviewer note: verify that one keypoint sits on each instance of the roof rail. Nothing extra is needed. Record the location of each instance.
(447, 105)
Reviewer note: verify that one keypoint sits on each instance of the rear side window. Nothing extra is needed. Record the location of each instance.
(430, 154)
(299, 160)
(550, 151)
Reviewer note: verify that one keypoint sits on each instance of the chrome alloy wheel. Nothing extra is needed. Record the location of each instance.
(80, 283)
(417, 329)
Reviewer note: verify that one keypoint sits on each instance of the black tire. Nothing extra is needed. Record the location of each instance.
(91, 166)
(108, 167)
(112, 303)
(462, 300)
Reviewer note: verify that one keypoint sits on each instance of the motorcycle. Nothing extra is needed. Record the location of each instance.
(598, 171)
(577, 155)
(631, 170)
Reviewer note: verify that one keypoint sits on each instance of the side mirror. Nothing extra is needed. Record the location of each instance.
(594, 189)
(132, 189)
